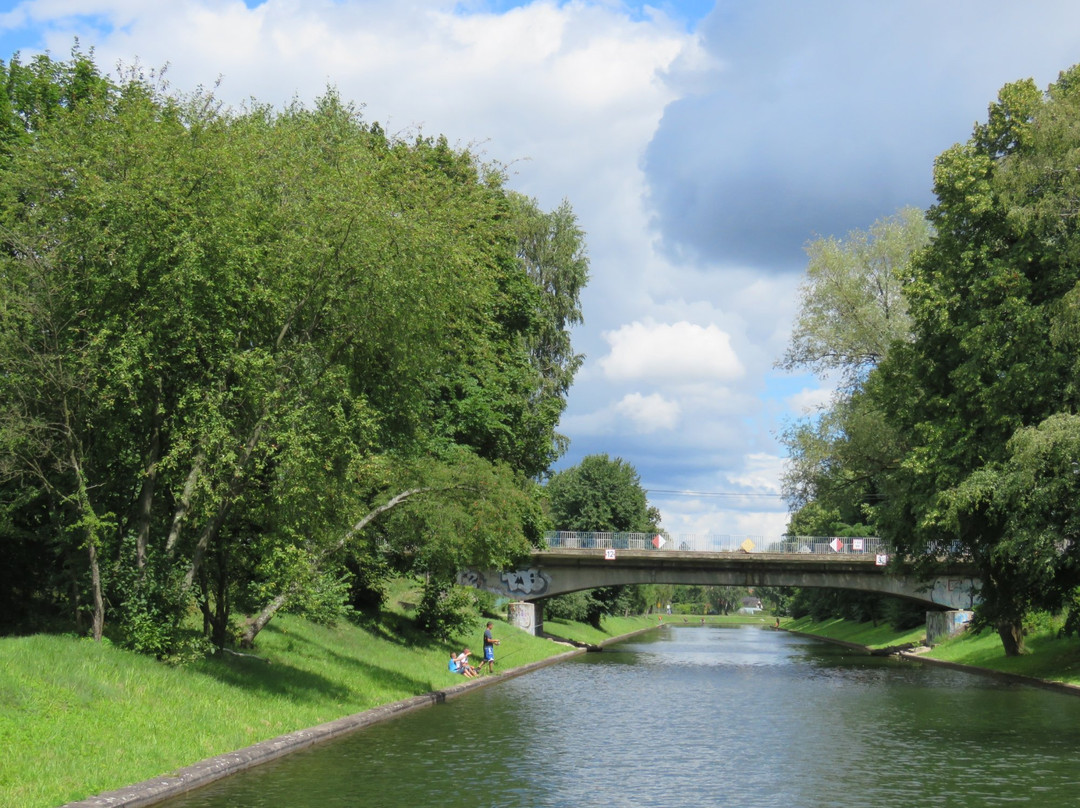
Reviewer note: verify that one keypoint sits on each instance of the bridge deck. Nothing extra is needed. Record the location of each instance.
(654, 559)
(727, 559)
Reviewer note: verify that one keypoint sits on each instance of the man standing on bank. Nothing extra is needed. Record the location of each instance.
(489, 649)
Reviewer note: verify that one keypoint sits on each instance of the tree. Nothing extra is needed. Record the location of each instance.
(604, 495)
(979, 394)
(552, 251)
(852, 305)
(519, 361)
(852, 311)
(600, 494)
(230, 340)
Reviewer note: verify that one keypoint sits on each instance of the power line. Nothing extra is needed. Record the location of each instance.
(721, 494)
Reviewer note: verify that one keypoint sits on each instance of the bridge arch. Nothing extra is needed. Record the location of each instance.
(559, 571)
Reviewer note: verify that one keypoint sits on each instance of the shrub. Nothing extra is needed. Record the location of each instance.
(445, 610)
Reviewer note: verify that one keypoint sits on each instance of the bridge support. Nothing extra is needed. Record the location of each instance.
(941, 626)
(526, 616)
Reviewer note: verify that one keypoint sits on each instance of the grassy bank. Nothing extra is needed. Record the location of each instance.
(1048, 657)
(78, 718)
(864, 634)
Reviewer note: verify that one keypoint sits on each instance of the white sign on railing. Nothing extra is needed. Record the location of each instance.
(716, 543)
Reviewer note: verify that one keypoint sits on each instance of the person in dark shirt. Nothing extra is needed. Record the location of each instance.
(489, 649)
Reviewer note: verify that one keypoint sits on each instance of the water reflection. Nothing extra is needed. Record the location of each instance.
(694, 716)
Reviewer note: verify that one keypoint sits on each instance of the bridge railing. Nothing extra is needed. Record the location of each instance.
(716, 543)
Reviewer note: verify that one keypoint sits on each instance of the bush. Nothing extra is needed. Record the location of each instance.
(445, 610)
(573, 606)
(150, 609)
(369, 583)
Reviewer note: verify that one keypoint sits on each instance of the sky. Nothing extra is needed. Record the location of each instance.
(701, 143)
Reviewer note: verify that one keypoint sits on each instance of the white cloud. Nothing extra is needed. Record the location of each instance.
(760, 473)
(701, 517)
(681, 351)
(650, 413)
(809, 400)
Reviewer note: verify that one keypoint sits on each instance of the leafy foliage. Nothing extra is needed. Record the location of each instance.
(852, 311)
(251, 354)
(605, 495)
(600, 494)
(445, 609)
(975, 410)
(852, 303)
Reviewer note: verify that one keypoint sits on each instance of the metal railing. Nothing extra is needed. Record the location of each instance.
(716, 543)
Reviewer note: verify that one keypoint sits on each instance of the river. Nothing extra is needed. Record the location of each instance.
(698, 716)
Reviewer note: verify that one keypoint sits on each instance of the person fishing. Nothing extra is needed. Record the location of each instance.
(459, 663)
(489, 649)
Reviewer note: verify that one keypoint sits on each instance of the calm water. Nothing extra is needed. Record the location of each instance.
(699, 716)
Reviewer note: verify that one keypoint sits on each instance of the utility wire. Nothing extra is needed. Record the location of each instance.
(709, 493)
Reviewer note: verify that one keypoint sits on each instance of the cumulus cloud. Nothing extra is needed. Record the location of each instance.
(690, 516)
(649, 413)
(818, 121)
(809, 400)
(677, 351)
(760, 473)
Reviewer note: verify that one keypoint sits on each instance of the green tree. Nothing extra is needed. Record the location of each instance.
(600, 494)
(852, 311)
(228, 340)
(980, 389)
(509, 392)
(852, 306)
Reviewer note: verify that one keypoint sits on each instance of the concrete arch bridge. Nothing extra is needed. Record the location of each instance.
(577, 561)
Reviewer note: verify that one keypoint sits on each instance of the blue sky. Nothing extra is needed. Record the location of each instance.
(701, 143)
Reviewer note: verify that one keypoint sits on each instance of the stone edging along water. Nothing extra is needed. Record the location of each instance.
(912, 656)
(1013, 678)
(158, 789)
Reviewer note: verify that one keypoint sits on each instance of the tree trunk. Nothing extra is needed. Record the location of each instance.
(146, 496)
(98, 628)
(1012, 637)
(91, 523)
(258, 622)
(184, 504)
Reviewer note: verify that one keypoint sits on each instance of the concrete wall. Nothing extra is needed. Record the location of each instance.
(942, 625)
(526, 616)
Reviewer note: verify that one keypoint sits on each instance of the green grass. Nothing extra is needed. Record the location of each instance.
(866, 634)
(611, 627)
(78, 718)
(1048, 656)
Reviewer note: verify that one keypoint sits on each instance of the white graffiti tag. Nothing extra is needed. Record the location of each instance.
(528, 582)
